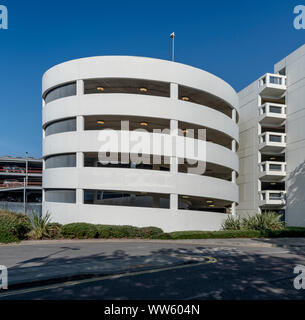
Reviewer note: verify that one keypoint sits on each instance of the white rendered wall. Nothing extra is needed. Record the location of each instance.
(170, 183)
(248, 150)
(295, 129)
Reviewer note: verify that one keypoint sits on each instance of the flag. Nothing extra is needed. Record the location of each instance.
(172, 35)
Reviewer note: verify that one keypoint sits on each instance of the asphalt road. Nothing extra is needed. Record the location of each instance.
(216, 272)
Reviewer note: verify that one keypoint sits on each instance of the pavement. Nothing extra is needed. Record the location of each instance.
(125, 269)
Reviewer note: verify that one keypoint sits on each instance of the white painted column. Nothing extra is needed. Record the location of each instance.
(234, 145)
(80, 123)
(233, 209)
(174, 94)
(174, 164)
(79, 196)
(234, 118)
(174, 91)
(79, 160)
(80, 87)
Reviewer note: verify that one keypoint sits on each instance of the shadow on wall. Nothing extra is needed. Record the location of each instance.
(295, 212)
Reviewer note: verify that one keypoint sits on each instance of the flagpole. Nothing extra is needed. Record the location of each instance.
(173, 46)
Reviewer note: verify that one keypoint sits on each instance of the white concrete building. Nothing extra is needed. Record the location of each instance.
(82, 98)
(272, 141)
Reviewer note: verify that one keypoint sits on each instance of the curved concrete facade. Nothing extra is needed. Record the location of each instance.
(94, 94)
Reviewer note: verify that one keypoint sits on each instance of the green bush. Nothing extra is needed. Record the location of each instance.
(262, 222)
(109, 231)
(13, 227)
(215, 234)
(54, 230)
(79, 231)
(150, 232)
(293, 232)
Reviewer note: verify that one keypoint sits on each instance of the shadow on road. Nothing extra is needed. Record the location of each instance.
(237, 274)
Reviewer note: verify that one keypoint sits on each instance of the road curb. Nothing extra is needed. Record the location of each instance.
(253, 242)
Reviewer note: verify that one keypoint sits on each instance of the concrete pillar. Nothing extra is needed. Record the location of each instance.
(233, 209)
(80, 123)
(234, 145)
(233, 176)
(79, 160)
(174, 91)
(234, 118)
(174, 201)
(80, 87)
(79, 196)
(174, 162)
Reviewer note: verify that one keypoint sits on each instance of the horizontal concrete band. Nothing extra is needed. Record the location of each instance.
(141, 181)
(97, 141)
(140, 106)
(139, 68)
(166, 219)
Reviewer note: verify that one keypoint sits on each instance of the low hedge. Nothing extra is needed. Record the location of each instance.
(87, 231)
(16, 227)
(79, 231)
(13, 227)
(215, 234)
(288, 232)
(109, 231)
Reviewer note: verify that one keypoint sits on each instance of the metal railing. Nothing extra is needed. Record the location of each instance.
(20, 184)
(21, 171)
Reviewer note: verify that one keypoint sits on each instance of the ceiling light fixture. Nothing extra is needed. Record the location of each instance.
(100, 89)
(185, 197)
(272, 158)
(185, 98)
(144, 124)
(100, 122)
(144, 90)
(209, 201)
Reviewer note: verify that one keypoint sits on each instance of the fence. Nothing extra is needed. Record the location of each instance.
(18, 207)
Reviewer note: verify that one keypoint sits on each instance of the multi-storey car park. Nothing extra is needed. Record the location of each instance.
(20, 178)
(272, 141)
(82, 98)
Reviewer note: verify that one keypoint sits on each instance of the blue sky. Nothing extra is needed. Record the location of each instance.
(236, 40)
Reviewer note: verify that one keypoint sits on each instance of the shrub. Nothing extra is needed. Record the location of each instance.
(261, 222)
(13, 227)
(80, 231)
(296, 232)
(150, 232)
(232, 223)
(54, 230)
(215, 234)
(110, 231)
(39, 226)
